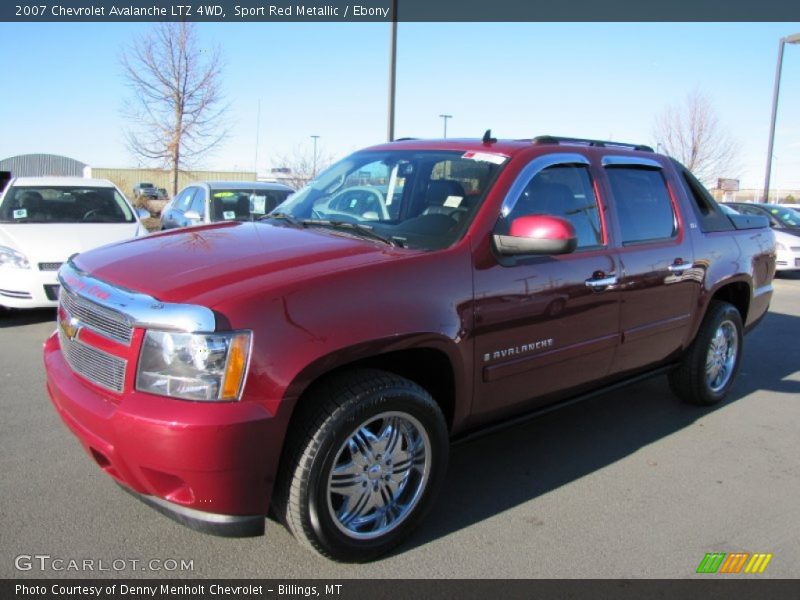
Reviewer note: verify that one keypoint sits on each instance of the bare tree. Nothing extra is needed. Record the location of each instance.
(301, 166)
(692, 134)
(176, 109)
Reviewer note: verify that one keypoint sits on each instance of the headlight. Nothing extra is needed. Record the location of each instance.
(12, 258)
(193, 366)
(779, 246)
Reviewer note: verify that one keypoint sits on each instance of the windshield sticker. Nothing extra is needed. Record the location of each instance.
(20, 213)
(223, 194)
(495, 159)
(453, 201)
(259, 204)
(229, 215)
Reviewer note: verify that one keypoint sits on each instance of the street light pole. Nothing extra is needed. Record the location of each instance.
(314, 168)
(791, 39)
(445, 117)
(392, 72)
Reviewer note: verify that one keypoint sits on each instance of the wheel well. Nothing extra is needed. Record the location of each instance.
(738, 294)
(428, 368)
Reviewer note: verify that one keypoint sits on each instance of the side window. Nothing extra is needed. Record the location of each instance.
(198, 202)
(564, 191)
(644, 208)
(184, 200)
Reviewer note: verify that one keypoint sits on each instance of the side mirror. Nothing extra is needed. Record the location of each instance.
(143, 213)
(537, 234)
(192, 215)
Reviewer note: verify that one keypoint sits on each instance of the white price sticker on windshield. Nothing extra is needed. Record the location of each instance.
(453, 201)
(490, 157)
(20, 213)
(229, 215)
(259, 204)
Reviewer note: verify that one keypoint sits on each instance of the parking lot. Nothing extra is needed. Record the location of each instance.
(628, 484)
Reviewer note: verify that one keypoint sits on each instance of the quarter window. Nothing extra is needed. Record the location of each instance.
(644, 208)
(564, 191)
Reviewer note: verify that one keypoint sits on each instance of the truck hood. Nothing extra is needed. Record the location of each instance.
(55, 242)
(197, 264)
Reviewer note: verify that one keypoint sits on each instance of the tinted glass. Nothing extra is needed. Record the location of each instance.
(644, 208)
(564, 191)
(64, 204)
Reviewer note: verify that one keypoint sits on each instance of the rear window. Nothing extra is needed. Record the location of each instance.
(644, 208)
(64, 204)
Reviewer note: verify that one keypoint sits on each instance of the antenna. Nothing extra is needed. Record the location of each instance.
(487, 137)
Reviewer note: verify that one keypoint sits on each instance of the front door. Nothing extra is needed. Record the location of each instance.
(545, 325)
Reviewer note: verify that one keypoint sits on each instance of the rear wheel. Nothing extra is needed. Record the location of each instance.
(368, 452)
(709, 367)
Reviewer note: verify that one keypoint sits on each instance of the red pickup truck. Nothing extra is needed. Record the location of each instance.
(317, 363)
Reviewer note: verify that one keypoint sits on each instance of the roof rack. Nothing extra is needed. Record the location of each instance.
(552, 139)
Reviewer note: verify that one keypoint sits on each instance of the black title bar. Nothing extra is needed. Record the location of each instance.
(407, 10)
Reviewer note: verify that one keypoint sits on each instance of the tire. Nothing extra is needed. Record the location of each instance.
(709, 367)
(359, 426)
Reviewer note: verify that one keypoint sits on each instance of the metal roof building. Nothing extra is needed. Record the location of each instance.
(38, 165)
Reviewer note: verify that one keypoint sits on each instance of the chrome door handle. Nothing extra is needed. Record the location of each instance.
(680, 267)
(601, 283)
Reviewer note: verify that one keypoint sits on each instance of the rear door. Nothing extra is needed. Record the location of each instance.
(659, 283)
(546, 324)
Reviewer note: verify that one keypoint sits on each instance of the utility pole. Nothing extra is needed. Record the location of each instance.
(392, 72)
(445, 117)
(790, 39)
(314, 168)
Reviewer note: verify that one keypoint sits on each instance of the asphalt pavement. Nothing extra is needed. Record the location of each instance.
(628, 484)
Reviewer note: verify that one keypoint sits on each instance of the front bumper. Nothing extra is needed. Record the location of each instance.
(210, 466)
(28, 288)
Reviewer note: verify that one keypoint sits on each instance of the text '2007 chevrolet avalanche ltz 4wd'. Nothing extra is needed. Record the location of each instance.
(317, 362)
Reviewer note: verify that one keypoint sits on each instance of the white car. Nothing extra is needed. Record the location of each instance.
(44, 221)
(787, 245)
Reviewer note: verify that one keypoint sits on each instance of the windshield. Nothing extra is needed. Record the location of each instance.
(64, 204)
(244, 205)
(415, 199)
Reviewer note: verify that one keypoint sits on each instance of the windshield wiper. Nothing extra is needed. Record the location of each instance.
(364, 230)
(282, 216)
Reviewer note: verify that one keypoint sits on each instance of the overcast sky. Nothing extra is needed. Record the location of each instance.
(63, 89)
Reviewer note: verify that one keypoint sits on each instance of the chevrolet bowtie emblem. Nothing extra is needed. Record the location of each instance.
(70, 326)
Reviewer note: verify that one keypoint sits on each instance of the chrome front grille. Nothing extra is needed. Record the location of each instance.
(101, 368)
(105, 321)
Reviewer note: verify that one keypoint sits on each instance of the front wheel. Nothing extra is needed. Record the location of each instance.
(709, 367)
(368, 452)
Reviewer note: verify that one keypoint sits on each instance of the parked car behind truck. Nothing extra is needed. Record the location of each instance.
(319, 361)
(44, 220)
(213, 201)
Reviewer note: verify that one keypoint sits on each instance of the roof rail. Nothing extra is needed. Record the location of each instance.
(552, 139)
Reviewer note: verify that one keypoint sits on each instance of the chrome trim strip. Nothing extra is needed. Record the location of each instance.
(532, 169)
(142, 310)
(614, 160)
(764, 289)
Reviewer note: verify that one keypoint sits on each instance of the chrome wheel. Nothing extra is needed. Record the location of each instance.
(379, 475)
(722, 355)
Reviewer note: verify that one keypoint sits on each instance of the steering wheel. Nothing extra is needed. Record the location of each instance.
(384, 212)
(91, 213)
